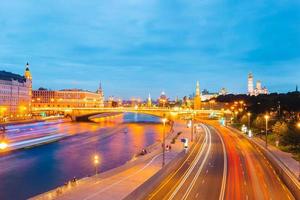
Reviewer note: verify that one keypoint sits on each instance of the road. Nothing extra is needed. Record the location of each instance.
(202, 175)
(224, 165)
(250, 175)
(40, 169)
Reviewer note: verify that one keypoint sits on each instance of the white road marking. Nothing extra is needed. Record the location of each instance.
(192, 167)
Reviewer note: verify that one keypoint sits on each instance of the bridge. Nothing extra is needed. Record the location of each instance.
(76, 113)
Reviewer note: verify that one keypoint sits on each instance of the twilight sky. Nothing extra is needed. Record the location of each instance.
(139, 46)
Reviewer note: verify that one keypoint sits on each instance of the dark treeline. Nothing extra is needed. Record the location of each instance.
(289, 102)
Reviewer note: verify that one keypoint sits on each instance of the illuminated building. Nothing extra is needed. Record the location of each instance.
(101, 93)
(206, 95)
(258, 89)
(223, 92)
(163, 100)
(197, 98)
(68, 98)
(149, 101)
(250, 84)
(15, 95)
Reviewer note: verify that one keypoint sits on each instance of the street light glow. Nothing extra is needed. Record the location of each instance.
(3, 145)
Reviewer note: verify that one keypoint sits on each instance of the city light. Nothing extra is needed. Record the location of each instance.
(267, 119)
(3, 145)
(298, 124)
(96, 161)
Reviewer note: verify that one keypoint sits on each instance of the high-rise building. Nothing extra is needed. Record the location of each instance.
(197, 98)
(15, 95)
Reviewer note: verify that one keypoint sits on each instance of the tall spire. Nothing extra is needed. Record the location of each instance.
(100, 86)
(149, 102)
(197, 89)
(27, 73)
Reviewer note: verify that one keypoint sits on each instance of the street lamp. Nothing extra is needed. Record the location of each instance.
(267, 119)
(96, 163)
(3, 145)
(164, 120)
(298, 126)
(249, 116)
(192, 127)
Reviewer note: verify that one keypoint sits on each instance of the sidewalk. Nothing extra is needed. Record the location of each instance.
(286, 158)
(119, 182)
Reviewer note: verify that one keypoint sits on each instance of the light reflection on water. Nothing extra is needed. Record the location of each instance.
(40, 169)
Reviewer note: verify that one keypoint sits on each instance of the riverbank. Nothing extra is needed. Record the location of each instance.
(119, 182)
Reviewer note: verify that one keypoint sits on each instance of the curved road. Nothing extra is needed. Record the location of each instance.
(201, 175)
(223, 165)
(250, 175)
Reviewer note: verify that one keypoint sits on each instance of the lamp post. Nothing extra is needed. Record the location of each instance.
(267, 120)
(192, 127)
(164, 120)
(298, 126)
(96, 163)
(249, 118)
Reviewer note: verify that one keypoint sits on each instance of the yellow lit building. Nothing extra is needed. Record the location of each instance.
(69, 98)
(15, 95)
(163, 100)
(197, 98)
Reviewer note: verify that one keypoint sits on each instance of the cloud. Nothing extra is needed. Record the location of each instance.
(136, 47)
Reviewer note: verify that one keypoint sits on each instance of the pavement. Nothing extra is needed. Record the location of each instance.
(118, 183)
(285, 157)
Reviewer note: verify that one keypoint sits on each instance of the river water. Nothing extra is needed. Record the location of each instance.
(29, 172)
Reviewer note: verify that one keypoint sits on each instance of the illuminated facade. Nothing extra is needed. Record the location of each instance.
(69, 98)
(149, 101)
(250, 84)
(197, 98)
(163, 100)
(258, 89)
(15, 95)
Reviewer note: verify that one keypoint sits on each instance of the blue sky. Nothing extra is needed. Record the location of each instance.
(135, 47)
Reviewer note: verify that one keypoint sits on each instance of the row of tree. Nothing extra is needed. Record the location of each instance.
(284, 133)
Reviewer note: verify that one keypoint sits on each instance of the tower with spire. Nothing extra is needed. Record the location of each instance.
(28, 78)
(197, 98)
(149, 101)
(101, 94)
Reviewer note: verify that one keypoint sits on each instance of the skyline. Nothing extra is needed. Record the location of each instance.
(135, 48)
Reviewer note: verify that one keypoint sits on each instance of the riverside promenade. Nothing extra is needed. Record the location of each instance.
(119, 182)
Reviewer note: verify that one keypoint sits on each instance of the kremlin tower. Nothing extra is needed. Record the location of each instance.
(197, 98)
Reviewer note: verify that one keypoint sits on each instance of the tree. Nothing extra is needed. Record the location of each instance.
(244, 119)
(279, 129)
(259, 122)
